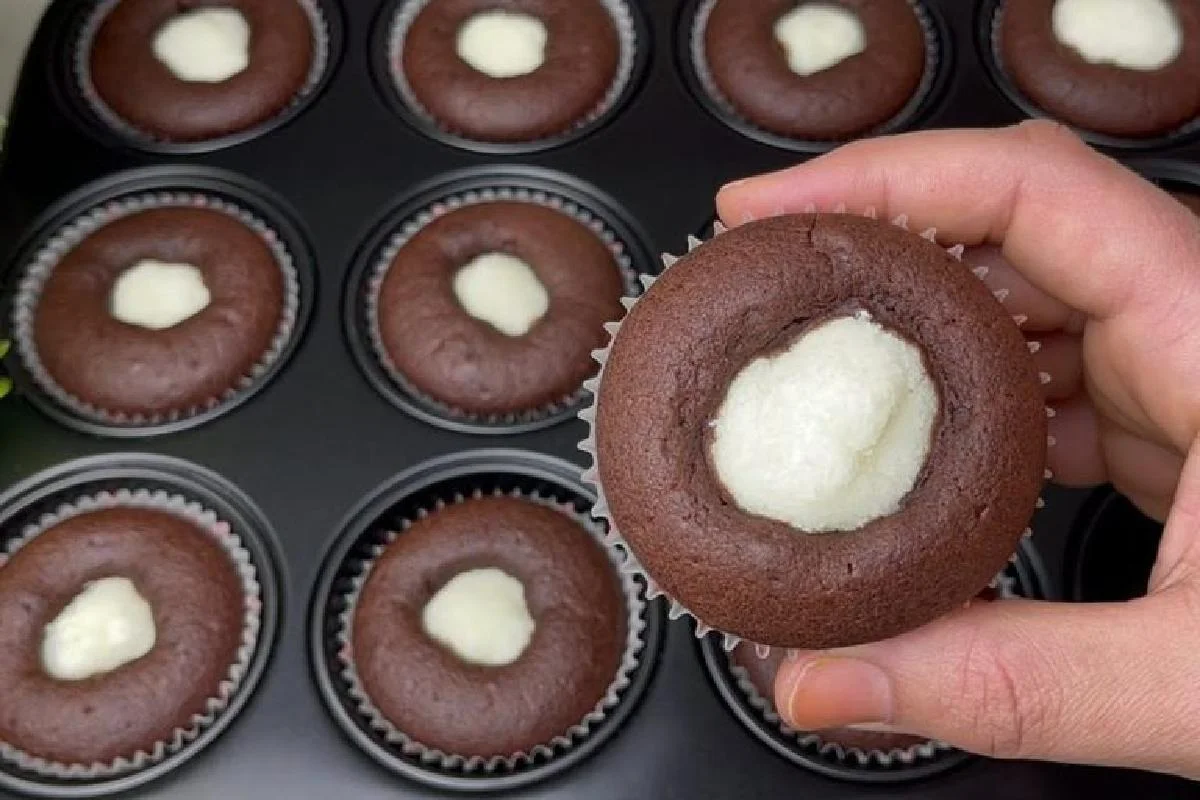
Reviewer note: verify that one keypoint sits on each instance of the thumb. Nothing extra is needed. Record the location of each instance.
(1103, 684)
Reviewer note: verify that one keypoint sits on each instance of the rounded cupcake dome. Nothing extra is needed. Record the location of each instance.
(472, 630)
(131, 619)
(816, 72)
(509, 606)
(513, 73)
(156, 308)
(795, 364)
(163, 72)
(1115, 69)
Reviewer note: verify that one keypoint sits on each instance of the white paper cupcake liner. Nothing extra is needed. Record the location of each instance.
(591, 476)
(220, 532)
(81, 68)
(70, 235)
(1005, 586)
(627, 40)
(414, 223)
(704, 76)
(997, 54)
(635, 626)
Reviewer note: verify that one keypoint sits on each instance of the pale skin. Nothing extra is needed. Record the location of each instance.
(1107, 269)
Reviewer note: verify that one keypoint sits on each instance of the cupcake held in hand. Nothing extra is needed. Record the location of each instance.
(818, 430)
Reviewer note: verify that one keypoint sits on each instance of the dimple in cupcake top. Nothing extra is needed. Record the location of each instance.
(503, 291)
(1131, 34)
(817, 36)
(206, 45)
(107, 625)
(829, 433)
(502, 44)
(481, 616)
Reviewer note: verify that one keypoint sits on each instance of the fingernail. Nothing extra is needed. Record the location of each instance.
(831, 691)
(733, 184)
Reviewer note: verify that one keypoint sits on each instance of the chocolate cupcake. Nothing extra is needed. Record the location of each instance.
(487, 305)
(127, 622)
(511, 71)
(846, 437)
(490, 632)
(1125, 69)
(814, 71)
(155, 308)
(165, 71)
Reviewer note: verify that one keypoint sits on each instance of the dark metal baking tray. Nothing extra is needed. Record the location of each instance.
(318, 439)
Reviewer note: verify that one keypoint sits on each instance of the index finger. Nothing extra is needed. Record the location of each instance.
(1081, 227)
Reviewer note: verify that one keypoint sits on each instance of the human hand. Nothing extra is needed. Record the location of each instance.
(1106, 268)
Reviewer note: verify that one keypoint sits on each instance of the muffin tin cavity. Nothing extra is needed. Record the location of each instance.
(147, 477)
(539, 187)
(690, 52)
(1111, 551)
(406, 497)
(1024, 576)
(120, 196)
(386, 53)
(73, 49)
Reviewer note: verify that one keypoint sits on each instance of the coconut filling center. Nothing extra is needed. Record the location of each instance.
(1142, 35)
(206, 45)
(158, 294)
(502, 44)
(817, 36)
(829, 433)
(503, 291)
(105, 626)
(480, 615)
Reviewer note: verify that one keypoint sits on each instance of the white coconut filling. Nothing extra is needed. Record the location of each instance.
(503, 291)
(107, 625)
(481, 616)
(502, 44)
(1140, 35)
(830, 433)
(158, 294)
(207, 45)
(817, 36)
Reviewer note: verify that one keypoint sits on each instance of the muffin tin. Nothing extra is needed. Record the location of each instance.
(314, 446)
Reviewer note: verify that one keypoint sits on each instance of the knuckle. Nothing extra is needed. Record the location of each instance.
(1048, 134)
(1009, 709)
